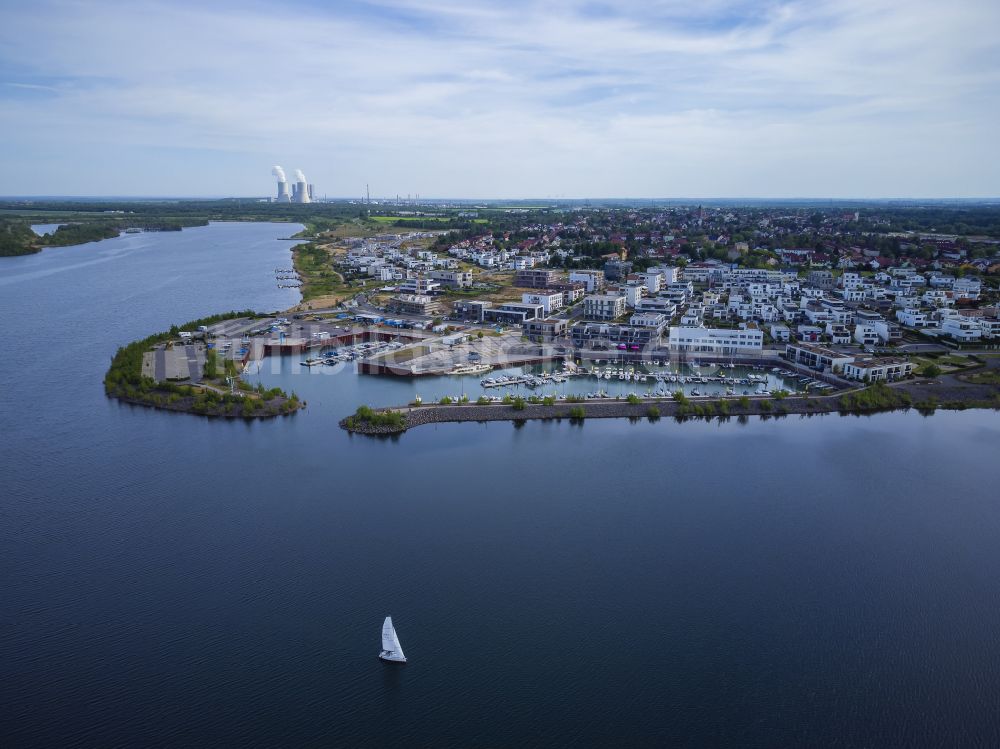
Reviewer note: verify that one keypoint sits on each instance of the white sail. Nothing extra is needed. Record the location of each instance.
(391, 650)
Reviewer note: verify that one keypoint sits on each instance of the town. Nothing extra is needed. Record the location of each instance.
(861, 295)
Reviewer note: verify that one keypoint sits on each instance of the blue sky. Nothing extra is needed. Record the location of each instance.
(462, 98)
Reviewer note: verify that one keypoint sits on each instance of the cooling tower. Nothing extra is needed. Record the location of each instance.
(301, 192)
(311, 194)
(283, 192)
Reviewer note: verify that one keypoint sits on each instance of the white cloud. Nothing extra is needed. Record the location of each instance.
(473, 98)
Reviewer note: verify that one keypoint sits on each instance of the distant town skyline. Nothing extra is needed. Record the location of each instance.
(442, 98)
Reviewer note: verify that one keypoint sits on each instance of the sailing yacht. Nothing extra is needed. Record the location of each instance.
(391, 650)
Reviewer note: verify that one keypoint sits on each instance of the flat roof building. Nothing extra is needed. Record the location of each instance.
(818, 357)
(603, 306)
(716, 340)
(535, 278)
(415, 304)
(544, 331)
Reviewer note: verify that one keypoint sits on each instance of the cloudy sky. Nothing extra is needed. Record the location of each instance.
(468, 98)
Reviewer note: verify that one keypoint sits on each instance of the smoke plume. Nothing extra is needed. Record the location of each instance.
(278, 172)
(299, 176)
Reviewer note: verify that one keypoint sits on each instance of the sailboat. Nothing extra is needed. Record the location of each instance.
(391, 650)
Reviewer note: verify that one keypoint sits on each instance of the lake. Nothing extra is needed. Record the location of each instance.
(170, 580)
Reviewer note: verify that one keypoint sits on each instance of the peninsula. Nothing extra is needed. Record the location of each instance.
(668, 310)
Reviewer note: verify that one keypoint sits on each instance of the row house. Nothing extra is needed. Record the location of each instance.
(881, 369)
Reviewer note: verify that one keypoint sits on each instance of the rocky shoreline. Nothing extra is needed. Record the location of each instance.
(270, 410)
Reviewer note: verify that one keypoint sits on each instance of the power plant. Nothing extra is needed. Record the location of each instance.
(302, 191)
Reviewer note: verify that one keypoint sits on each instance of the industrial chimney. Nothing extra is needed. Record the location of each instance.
(311, 194)
(301, 187)
(278, 172)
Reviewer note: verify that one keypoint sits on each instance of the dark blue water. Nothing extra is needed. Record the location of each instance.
(169, 580)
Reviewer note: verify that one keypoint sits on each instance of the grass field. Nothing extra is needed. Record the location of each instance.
(394, 219)
(414, 219)
(989, 377)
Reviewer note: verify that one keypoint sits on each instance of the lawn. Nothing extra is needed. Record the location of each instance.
(989, 377)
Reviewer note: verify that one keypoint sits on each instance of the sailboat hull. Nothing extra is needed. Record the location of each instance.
(391, 658)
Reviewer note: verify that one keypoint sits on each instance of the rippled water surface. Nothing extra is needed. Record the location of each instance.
(166, 579)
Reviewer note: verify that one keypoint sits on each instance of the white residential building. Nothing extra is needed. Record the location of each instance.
(990, 326)
(912, 318)
(648, 320)
(781, 333)
(669, 273)
(658, 304)
(693, 316)
(652, 281)
(633, 294)
(716, 340)
(419, 286)
(872, 370)
(966, 288)
(818, 357)
(603, 306)
(866, 334)
(550, 300)
(962, 329)
(593, 280)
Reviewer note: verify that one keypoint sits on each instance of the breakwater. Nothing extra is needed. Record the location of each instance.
(871, 399)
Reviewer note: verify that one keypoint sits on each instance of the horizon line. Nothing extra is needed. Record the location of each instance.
(411, 201)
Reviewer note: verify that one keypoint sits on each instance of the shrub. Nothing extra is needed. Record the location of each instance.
(366, 415)
(744, 402)
(653, 413)
(765, 405)
(877, 397)
(549, 400)
(518, 404)
(482, 400)
(633, 399)
(930, 370)
(446, 401)
(577, 413)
